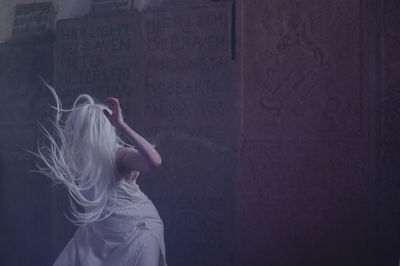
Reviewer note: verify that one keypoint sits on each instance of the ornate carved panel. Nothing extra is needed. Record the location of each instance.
(302, 70)
(304, 160)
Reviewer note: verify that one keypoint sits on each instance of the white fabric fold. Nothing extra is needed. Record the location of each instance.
(133, 235)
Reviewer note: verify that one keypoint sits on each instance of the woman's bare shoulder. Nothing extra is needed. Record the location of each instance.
(129, 159)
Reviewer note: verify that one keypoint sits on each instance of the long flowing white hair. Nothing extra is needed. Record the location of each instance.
(81, 156)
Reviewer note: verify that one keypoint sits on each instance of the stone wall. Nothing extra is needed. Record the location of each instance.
(388, 189)
(307, 157)
(25, 197)
(277, 122)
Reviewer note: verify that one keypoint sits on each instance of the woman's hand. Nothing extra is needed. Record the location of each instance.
(115, 118)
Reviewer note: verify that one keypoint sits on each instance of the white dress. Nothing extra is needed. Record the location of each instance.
(133, 235)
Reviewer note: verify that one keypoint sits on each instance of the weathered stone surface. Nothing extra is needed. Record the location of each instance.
(389, 157)
(23, 99)
(110, 5)
(304, 165)
(188, 110)
(25, 197)
(32, 19)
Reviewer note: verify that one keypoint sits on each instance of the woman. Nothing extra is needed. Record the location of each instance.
(118, 224)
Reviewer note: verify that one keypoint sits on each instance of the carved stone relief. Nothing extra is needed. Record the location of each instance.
(305, 77)
(303, 172)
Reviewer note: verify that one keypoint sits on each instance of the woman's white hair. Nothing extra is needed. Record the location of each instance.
(82, 157)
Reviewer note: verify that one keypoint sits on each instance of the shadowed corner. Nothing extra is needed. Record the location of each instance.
(8, 242)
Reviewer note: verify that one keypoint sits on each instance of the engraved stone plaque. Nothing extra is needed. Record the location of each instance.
(188, 111)
(32, 19)
(110, 5)
(97, 56)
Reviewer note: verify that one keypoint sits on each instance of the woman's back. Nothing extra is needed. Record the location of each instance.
(118, 223)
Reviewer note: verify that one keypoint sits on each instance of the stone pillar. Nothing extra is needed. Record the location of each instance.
(25, 197)
(307, 147)
(189, 112)
(389, 132)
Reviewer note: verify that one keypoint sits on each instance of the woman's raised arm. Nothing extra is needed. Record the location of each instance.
(145, 157)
